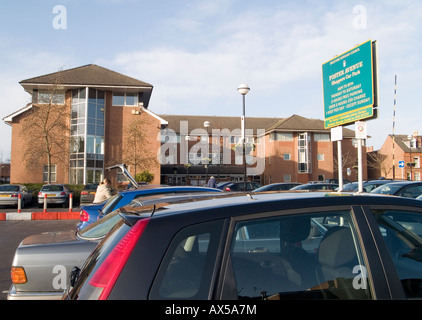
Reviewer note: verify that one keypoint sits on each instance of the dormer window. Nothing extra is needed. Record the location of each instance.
(48, 96)
(125, 99)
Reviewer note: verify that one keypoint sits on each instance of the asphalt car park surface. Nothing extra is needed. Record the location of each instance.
(13, 232)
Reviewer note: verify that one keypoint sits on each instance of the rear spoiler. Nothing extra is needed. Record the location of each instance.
(125, 172)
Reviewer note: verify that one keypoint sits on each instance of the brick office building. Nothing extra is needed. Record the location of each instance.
(104, 112)
(294, 149)
(98, 106)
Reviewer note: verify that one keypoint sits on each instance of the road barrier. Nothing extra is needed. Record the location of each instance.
(64, 215)
(44, 215)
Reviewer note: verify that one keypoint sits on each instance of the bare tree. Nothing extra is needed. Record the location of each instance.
(348, 161)
(135, 150)
(45, 129)
(380, 163)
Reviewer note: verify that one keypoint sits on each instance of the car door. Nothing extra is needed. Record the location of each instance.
(398, 235)
(311, 254)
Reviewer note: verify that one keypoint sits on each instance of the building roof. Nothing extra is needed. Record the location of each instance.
(217, 122)
(294, 123)
(9, 118)
(402, 141)
(88, 75)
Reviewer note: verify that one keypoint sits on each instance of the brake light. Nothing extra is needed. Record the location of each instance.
(108, 272)
(14, 196)
(62, 193)
(227, 188)
(18, 275)
(83, 215)
(84, 193)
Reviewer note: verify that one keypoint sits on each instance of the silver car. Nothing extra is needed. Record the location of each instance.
(54, 194)
(9, 195)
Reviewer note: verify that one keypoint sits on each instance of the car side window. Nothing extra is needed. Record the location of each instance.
(187, 268)
(411, 192)
(402, 232)
(310, 256)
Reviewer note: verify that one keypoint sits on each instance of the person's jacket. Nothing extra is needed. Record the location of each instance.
(102, 194)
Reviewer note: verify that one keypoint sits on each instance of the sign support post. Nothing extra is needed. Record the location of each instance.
(360, 132)
(337, 135)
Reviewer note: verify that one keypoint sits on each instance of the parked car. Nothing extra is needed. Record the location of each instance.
(55, 194)
(277, 186)
(367, 186)
(93, 212)
(220, 185)
(316, 187)
(240, 186)
(244, 246)
(9, 195)
(336, 181)
(43, 262)
(88, 193)
(408, 189)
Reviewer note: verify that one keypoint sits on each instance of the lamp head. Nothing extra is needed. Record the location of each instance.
(243, 89)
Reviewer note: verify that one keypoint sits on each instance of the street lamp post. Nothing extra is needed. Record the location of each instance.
(243, 89)
(207, 124)
(187, 165)
(410, 137)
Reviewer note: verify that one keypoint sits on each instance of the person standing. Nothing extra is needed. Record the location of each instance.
(212, 183)
(103, 191)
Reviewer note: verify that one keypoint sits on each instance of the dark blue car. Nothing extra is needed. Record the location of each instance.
(92, 212)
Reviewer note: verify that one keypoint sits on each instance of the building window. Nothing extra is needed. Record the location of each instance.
(286, 156)
(53, 171)
(287, 178)
(417, 162)
(320, 157)
(125, 99)
(322, 137)
(87, 136)
(46, 97)
(304, 153)
(281, 136)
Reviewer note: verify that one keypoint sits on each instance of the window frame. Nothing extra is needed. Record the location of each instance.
(53, 173)
(386, 262)
(135, 96)
(382, 285)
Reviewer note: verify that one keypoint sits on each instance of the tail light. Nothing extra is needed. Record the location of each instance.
(227, 188)
(108, 272)
(83, 215)
(84, 193)
(14, 195)
(62, 193)
(18, 275)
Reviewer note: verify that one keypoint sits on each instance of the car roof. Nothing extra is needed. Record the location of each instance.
(237, 204)
(152, 188)
(404, 182)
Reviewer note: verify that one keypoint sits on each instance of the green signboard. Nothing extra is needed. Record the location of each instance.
(348, 86)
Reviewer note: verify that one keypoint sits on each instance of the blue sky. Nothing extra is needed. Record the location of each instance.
(196, 52)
